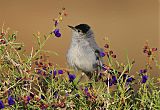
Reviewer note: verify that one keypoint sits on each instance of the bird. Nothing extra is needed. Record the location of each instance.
(84, 53)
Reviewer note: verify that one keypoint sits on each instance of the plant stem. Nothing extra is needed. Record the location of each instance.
(41, 46)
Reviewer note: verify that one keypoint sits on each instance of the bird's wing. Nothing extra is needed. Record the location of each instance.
(97, 51)
(94, 45)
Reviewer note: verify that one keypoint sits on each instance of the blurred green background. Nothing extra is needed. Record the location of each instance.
(127, 24)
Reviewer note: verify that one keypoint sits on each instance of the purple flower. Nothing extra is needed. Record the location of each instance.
(42, 97)
(28, 98)
(143, 71)
(102, 54)
(39, 71)
(77, 95)
(56, 23)
(60, 71)
(67, 94)
(1, 105)
(44, 68)
(54, 72)
(144, 78)
(114, 80)
(87, 92)
(57, 33)
(86, 89)
(130, 79)
(11, 101)
(104, 68)
(71, 77)
(124, 76)
(55, 94)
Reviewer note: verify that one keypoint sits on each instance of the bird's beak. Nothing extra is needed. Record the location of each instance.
(73, 28)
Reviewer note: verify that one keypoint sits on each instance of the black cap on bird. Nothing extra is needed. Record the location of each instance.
(83, 27)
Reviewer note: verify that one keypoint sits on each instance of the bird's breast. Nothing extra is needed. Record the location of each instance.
(82, 56)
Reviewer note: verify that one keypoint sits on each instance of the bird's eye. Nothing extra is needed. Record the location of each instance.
(79, 30)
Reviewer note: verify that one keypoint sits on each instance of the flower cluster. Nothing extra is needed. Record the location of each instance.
(2, 40)
(57, 33)
(11, 102)
(143, 74)
(71, 77)
(113, 80)
(108, 51)
(90, 93)
(42, 65)
(149, 51)
(1, 105)
(56, 30)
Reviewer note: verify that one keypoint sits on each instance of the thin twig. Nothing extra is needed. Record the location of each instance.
(39, 49)
(17, 65)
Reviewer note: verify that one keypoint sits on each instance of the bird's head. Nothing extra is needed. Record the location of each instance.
(81, 31)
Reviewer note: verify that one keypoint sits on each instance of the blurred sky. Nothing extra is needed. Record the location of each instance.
(127, 23)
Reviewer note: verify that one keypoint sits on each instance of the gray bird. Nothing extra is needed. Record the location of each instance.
(84, 53)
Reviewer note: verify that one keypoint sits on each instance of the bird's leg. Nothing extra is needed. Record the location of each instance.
(99, 68)
(96, 75)
(99, 64)
(80, 77)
